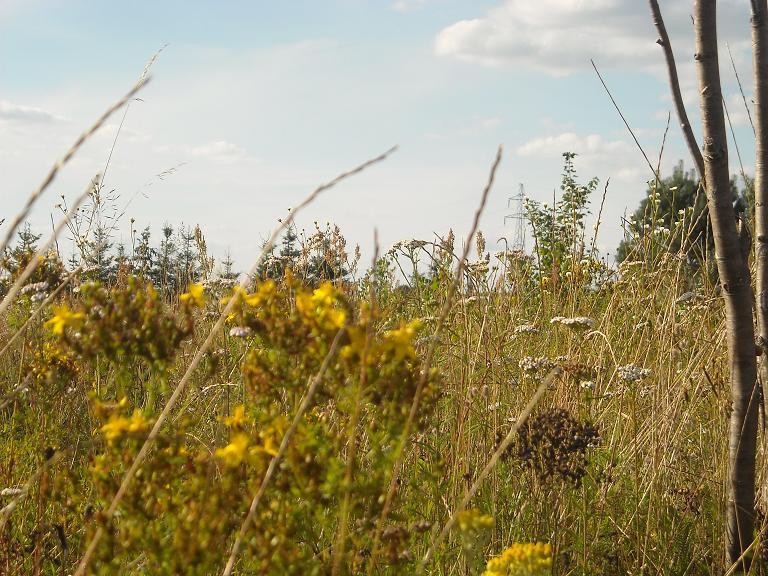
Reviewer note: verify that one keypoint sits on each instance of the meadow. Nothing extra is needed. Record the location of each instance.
(441, 410)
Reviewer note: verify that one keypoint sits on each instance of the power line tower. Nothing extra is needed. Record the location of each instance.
(516, 204)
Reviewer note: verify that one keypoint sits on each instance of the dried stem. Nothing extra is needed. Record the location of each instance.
(36, 312)
(51, 176)
(42, 251)
(284, 443)
(400, 449)
(490, 465)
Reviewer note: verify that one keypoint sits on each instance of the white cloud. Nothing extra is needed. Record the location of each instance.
(28, 114)
(617, 160)
(470, 127)
(560, 36)
(737, 112)
(110, 131)
(569, 142)
(407, 5)
(218, 152)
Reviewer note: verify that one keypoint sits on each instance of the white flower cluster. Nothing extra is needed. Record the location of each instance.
(526, 329)
(10, 492)
(239, 331)
(36, 287)
(633, 372)
(577, 322)
(39, 291)
(535, 363)
(219, 283)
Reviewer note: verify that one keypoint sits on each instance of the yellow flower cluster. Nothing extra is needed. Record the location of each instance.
(322, 307)
(394, 344)
(119, 426)
(194, 296)
(522, 559)
(263, 293)
(473, 520)
(235, 452)
(62, 318)
(400, 341)
(52, 362)
(237, 419)
(240, 447)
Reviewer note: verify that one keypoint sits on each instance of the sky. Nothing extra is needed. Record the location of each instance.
(253, 104)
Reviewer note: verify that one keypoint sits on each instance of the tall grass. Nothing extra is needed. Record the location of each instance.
(364, 427)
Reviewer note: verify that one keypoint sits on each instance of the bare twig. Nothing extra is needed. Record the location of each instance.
(13, 394)
(741, 89)
(674, 84)
(8, 509)
(599, 219)
(36, 312)
(352, 445)
(736, 145)
(621, 114)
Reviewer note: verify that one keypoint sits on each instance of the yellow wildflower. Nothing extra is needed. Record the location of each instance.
(529, 559)
(320, 307)
(325, 295)
(194, 295)
(357, 337)
(270, 446)
(117, 426)
(400, 341)
(272, 436)
(335, 318)
(473, 519)
(235, 452)
(237, 419)
(265, 291)
(62, 318)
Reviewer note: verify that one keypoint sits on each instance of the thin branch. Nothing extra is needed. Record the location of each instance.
(621, 114)
(674, 84)
(43, 250)
(8, 509)
(741, 89)
(736, 145)
(13, 394)
(36, 312)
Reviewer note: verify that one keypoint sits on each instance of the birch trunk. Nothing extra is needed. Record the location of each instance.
(736, 289)
(760, 78)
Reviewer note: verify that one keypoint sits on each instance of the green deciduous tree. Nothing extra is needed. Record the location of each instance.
(558, 229)
(673, 217)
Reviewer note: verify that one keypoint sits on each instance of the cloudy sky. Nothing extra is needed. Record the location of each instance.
(254, 103)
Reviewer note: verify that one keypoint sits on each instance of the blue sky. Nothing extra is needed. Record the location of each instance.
(253, 104)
